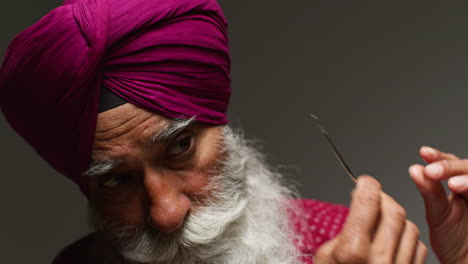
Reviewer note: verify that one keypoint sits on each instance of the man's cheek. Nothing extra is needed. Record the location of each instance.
(199, 188)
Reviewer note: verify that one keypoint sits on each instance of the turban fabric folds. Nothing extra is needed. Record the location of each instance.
(170, 57)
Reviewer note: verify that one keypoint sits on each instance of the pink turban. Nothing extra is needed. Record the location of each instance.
(168, 56)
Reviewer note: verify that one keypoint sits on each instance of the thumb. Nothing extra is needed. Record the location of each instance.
(434, 196)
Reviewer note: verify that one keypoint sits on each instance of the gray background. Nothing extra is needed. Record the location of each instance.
(385, 78)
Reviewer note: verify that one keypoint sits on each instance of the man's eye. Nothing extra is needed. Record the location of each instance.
(181, 145)
(113, 181)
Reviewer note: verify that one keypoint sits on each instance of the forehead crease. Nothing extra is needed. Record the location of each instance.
(120, 128)
(120, 145)
(118, 142)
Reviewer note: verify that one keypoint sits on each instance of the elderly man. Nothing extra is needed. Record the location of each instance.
(128, 99)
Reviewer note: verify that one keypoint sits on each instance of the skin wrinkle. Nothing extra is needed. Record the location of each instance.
(124, 141)
(123, 130)
(111, 127)
(107, 125)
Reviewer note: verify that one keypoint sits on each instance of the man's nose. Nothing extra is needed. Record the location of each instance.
(167, 203)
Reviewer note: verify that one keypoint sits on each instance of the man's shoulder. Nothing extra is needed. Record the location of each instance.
(321, 214)
(316, 222)
(77, 252)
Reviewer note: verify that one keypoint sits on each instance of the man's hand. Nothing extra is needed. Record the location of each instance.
(447, 216)
(376, 231)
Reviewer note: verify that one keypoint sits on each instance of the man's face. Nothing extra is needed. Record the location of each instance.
(168, 191)
(149, 170)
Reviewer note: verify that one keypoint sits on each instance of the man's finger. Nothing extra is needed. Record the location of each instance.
(445, 169)
(389, 231)
(459, 185)
(434, 196)
(430, 155)
(364, 212)
(408, 244)
(421, 254)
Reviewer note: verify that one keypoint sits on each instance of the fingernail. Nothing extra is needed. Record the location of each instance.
(458, 182)
(360, 181)
(434, 170)
(429, 151)
(413, 169)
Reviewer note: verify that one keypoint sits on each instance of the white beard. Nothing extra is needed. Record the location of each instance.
(245, 222)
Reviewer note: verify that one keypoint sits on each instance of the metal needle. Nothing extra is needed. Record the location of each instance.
(334, 149)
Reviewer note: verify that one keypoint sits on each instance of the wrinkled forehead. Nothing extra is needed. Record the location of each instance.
(131, 123)
(126, 117)
(128, 123)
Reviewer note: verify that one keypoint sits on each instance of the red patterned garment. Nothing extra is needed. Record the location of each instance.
(317, 222)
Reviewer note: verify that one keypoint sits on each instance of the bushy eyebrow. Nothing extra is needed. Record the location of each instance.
(98, 168)
(170, 130)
